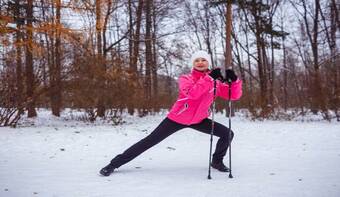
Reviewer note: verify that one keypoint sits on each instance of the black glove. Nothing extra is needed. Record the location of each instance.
(216, 74)
(230, 75)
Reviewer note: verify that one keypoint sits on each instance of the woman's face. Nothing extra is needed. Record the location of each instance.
(201, 64)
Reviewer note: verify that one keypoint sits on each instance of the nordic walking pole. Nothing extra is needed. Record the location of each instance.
(228, 62)
(212, 130)
(229, 143)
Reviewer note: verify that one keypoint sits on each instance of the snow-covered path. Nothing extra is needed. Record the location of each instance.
(269, 158)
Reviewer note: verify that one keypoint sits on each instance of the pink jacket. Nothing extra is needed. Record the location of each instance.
(196, 94)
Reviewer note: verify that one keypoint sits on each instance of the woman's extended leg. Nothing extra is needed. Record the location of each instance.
(164, 129)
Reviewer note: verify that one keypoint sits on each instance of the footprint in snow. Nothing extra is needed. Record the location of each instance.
(170, 148)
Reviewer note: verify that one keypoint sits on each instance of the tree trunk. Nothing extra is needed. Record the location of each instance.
(154, 61)
(101, 66)
(130, 35)
(52, 58)
(315, 89)
(133, 70)
(148, 51)
(318, 91)
(260, 65)
(48, 54)
(30, 86)
(335, 12)
(228, 61)
(271, 72)
(335, 58)
(315, 51)
(56, 88)
(271, 69)
(285, 71)
(136, 38)
(19, 76)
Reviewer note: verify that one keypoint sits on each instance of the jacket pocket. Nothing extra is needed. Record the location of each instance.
(185, 107)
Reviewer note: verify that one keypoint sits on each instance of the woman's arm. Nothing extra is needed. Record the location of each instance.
(236, 90)
(194, 90)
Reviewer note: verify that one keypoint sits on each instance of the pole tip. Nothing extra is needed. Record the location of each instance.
(231, 176)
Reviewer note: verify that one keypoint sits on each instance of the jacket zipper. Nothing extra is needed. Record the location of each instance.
(185, 108)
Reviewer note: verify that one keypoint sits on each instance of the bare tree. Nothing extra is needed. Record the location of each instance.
(148, 51)
(19, 75)
(55, 77)
(30, 85)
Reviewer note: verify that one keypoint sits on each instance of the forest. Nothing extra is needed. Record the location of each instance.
(107, 57)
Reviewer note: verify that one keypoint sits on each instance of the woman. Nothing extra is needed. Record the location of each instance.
(191, 110)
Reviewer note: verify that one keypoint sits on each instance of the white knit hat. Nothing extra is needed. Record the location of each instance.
(200, 54)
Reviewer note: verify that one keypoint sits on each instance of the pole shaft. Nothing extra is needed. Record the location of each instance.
(212, 131)
(229, 143)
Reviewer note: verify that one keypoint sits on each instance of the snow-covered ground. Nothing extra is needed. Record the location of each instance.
(62, 158)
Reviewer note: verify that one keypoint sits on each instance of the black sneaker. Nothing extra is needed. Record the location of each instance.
(107, 170)
(220, 166)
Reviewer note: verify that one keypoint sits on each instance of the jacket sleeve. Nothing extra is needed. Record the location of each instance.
(223, 90)
(193, 90)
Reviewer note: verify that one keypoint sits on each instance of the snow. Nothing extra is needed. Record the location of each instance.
(54, 157)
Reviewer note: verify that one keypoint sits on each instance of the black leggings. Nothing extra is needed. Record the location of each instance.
(168, 127)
